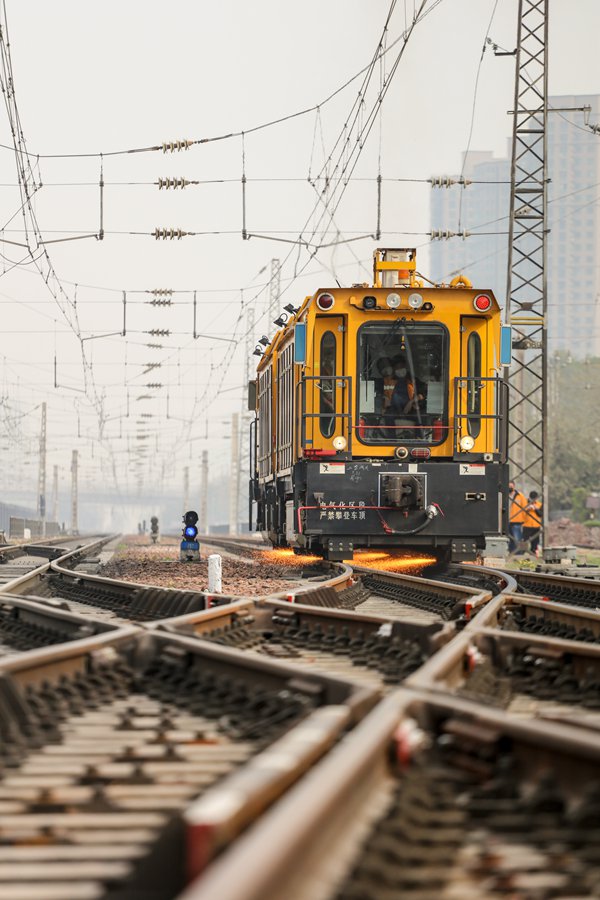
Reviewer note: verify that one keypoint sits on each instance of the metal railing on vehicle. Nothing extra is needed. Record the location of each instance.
(343, 382)
(463, 383)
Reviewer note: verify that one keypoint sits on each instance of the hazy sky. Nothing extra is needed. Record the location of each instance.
(93, 78)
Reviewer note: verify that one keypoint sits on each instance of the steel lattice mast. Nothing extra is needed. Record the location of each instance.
(526, 285)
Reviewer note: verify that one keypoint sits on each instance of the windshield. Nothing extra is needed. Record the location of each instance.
(403, 383)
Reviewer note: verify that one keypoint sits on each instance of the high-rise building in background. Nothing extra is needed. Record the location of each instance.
(573, 260)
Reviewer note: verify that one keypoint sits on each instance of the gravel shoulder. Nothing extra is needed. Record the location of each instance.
(138, 561)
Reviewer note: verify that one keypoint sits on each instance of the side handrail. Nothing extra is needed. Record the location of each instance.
(461, 383)
(252, 467)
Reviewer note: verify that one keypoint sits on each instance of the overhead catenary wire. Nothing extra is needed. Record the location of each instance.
(26, 177)
(174, 146)
(351, 118)
(223, 291)
(473, 107)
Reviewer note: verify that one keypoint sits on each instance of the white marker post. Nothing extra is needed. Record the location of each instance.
(214, 573)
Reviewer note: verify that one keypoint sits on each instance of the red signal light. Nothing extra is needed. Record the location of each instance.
(325, 301)
(482, 302)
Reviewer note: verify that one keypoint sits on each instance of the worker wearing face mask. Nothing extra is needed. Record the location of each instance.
(408, 394)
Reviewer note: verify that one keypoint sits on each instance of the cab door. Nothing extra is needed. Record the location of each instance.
(327, 392)
(474, 393)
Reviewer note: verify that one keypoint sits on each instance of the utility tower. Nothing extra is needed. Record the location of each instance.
(526, 284)
(234, 484)
(274, 291)
(74, 498)
(203, 507)
(42, 474)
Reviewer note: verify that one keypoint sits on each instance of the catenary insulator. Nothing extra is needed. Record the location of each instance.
(176, 146)
(446, 181)
(159, 332)
(169, 234)
(446, 235)
(162, 292)
(172, 183)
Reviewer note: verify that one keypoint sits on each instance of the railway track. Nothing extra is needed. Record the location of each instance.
(20, 560)
(142, 725)
(417, 599)
(584, 592)
(534, 615)
(28, 624)
(397, 595)
(113, 738)
(428, 798)
(27, 566)
(373, 650)
(527, 675)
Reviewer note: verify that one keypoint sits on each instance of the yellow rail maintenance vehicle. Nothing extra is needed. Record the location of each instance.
(381, 418)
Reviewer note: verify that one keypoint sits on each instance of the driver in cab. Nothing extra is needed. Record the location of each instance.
(408, 394)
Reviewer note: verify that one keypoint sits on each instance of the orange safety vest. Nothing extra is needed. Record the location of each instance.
(533, 514)
(517, 508)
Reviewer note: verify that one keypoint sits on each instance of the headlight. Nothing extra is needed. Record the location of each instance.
(340, 442)
(415, 301)
(393, 301)
(467, 443)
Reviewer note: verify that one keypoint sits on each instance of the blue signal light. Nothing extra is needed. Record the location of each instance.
(189, 549)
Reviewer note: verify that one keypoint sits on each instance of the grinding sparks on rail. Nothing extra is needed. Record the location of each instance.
(411, 564)
(285, 556)
(375, 559)
(381, 418)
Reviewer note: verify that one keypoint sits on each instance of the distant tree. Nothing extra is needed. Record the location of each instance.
(573, 432)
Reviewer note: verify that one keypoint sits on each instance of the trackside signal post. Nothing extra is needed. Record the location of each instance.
(189, 550)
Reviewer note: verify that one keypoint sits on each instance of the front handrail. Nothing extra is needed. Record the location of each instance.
(346, 388)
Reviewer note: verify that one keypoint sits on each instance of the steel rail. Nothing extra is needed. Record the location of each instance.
(314, 837)
(77, 744)
(31, 578)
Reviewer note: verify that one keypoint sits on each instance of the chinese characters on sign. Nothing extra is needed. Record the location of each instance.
(339, 510)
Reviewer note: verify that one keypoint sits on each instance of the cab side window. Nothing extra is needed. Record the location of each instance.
(474, 384)
(327, 384)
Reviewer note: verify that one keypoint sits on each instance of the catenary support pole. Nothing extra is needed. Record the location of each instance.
(234, 483)
(42, 475)
(74, 497)
(203, 506)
